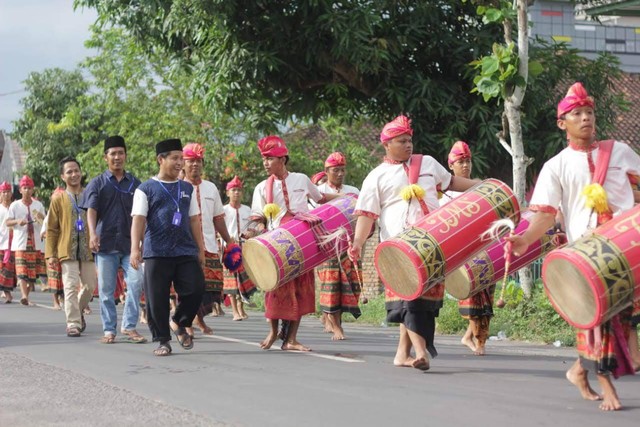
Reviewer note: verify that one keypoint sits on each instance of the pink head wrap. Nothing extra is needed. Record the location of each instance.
(25, 181)
(272, 146)
(459, 151)
(577, 96)
(234, 183)
(193, 151)
(335, 159)
(317, 177)
(398, 126)
(5, 186)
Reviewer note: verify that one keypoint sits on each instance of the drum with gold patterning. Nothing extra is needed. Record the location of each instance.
(419, 257)
(487, 266)
(298, 245)
(594, 278)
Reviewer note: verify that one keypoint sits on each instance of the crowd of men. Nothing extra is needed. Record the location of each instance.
(165, 236)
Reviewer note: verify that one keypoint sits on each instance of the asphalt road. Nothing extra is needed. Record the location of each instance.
(49, 379)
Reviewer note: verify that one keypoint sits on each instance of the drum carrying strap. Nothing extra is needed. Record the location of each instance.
(413, 173)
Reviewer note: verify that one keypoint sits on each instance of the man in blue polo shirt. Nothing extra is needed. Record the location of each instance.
(108, 200)
(167, 214)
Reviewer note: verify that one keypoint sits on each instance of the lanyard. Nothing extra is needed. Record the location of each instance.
(167, 191)
(74, 204)
(120, 190)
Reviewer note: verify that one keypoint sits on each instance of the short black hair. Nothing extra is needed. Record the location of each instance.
(66, 160)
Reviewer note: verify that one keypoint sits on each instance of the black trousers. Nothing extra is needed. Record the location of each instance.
(188, 280)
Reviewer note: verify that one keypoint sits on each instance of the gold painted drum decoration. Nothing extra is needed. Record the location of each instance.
(487, 267)
(597, 276)
(415, 260)
(281, 255)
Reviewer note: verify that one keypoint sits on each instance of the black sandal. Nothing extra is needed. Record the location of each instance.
(184, 339)
(164, 349)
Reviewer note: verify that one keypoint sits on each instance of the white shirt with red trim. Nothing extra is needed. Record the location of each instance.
(231, 217)
(380, 195)
(299, 189)
(4, 230)
(327, 188)
(210, 207)
(18, 210)
(564, 177)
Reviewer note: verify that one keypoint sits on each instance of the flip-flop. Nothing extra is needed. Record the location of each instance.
(184, 339)
(24, 301)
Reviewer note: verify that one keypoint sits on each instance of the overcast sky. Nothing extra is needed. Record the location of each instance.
(35, 35)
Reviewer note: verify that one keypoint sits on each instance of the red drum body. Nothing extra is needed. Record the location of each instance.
(487, 267)
(594, 278)
(290, 250)
(415, 260)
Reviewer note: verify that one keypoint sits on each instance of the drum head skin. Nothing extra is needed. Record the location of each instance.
(259, 265)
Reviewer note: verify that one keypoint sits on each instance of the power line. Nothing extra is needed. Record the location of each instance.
(13, 92)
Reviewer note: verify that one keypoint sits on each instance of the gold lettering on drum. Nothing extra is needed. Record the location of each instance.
(428, 250)
(612, 266)
(289, 252)
(449, 215)
(629, 223)
(500, 200)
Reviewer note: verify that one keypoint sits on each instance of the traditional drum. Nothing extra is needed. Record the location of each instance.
(300, 244)
(597, 276)
(419, 257)
(487, 267)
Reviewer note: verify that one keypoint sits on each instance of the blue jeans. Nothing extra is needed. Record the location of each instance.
(107, 275)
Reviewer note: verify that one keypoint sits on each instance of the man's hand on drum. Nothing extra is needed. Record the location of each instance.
(517, 245)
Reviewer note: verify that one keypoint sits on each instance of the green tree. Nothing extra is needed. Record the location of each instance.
(56, 100)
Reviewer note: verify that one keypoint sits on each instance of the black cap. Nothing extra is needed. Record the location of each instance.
(114, 141)
(168, 145)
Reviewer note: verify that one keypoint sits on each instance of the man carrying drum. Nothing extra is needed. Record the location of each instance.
(381, 199)
(339, 281)
(478, 309)
(275, 201)
(561, 185)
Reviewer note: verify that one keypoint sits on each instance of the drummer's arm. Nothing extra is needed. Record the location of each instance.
(255, 227)
(363, 229)
(461, 184)
(326, 197)
(636, 196)
(221, 227)
(538, 225)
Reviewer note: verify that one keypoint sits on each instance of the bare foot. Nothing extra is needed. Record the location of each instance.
(579, 379)
(338, 333)
(206, 330)
(469, 343)
(327, 325)
(610, 401)
(479, 350)
(244, 315)
(237, 317)
(189, 331)
(421, 364)
(57, 307)
(294, 345)
(268, 342)
(403, 363)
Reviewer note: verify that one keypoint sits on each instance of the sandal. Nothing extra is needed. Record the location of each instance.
(164, 349)
(184, 339)
(133, 336)
(73, 332)
(108, 339)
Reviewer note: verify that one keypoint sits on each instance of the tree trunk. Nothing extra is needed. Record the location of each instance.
(512, 111)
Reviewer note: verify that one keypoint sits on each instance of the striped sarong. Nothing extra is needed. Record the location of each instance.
(339, 286)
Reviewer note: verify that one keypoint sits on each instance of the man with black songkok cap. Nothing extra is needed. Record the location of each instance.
(108, 199)
(167, 215)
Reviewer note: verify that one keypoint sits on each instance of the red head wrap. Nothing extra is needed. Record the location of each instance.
(398, 126)
(25, 181)
(234, 183)
(335, 159)
(5, 186)
(272, 146)
(459, 151)
(318, 177)
(193, 151)
(577, 96)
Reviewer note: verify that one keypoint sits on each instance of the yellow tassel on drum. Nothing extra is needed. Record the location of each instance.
(596, 198)
(413, 190)
(271, 210)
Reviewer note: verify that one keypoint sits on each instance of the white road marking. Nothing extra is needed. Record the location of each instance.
(308, 353)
